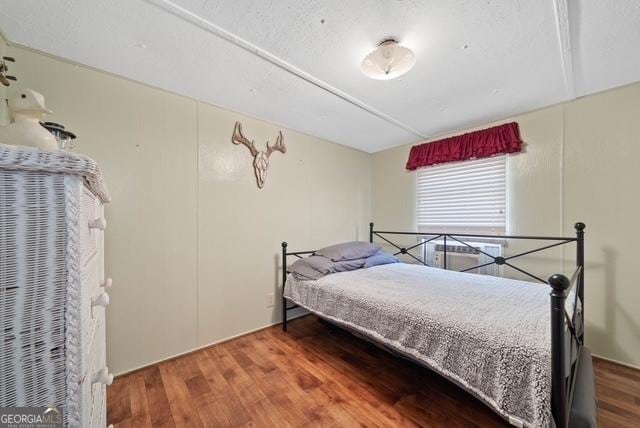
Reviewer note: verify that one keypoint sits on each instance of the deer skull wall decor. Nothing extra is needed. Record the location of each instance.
(260, 158)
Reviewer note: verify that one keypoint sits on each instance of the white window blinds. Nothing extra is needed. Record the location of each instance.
(463, 196)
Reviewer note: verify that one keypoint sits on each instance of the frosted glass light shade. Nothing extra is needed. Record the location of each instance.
(387, 61)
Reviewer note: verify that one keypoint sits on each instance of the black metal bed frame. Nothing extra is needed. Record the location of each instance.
(563, 375)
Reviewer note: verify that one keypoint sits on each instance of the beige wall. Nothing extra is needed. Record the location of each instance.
(602, 182)
(315, 194)
(580, 163)
(192, 244)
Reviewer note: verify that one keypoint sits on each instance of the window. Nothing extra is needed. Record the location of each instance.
(461, 197)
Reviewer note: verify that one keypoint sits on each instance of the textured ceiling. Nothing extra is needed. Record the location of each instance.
(296, 63)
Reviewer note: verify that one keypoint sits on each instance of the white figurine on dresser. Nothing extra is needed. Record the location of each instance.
(53, 288)
(27, 109)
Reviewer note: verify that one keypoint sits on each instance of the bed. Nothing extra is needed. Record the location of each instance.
(513, 344)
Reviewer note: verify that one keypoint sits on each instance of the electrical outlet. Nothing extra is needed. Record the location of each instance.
(271, 300)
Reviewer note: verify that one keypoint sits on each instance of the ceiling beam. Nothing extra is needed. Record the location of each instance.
(561, 9)
(192, 18)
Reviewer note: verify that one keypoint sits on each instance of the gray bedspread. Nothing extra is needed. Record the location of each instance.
(489, 335)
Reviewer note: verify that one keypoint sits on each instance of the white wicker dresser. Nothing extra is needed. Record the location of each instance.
(52, 284)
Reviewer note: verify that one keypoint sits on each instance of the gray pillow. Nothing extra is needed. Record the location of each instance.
(349, 251)
(312, 267)
(315, 267)
(346, 265)
(380, 258)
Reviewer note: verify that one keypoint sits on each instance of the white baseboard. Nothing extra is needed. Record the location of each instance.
(611, 360)
(217, 342)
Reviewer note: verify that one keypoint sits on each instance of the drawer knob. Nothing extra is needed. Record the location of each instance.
(99, 223)
(101, 300)
(107, 283)
(103, 376)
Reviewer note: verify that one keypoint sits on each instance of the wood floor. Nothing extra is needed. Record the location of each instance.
(316, 375)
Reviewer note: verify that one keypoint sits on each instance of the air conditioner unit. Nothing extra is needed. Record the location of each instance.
(461, 257)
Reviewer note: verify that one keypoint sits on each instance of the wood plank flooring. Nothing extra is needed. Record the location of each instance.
(316, 375)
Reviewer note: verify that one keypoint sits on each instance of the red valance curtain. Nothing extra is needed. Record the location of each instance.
(478, 144)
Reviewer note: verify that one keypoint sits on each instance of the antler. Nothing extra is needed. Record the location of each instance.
(238, 138)
(279, 145)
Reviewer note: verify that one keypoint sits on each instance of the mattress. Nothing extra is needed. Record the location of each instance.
(489, 335)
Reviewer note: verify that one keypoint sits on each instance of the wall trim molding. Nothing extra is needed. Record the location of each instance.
(561, 13)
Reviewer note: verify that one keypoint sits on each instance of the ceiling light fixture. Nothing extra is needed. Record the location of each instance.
(389, 60)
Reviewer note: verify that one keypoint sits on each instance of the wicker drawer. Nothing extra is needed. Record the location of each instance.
(87, 316)
(91, 225)
(95, 356)
(85, 403)
(94, 403)
(94, 299)
(94, 389)
(98, 404)
(98, 391)
(91, 278)
(98, 359)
